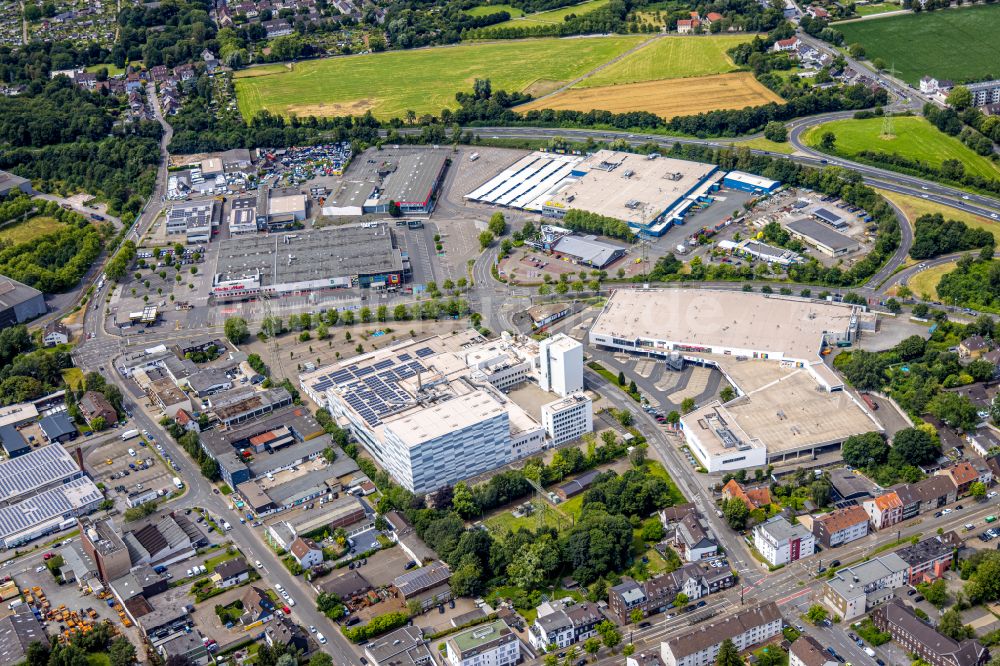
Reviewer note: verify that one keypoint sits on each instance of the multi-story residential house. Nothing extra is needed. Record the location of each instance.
(746, 628)
(884, 511)
(806, 651)
(930, 494)
(854, 591)
(781, 542)
(962, 474)
(657, 594)
(565, 626)
(490, 644)
(923, 640)
(691, 536)
(927, 559)
(754, 498)
(841, 526)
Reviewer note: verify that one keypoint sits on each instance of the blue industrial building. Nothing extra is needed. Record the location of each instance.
(748, 182)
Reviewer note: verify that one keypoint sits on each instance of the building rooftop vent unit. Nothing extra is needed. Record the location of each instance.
(479, 634)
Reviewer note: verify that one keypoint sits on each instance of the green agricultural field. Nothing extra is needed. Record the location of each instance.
(30, 229)
(486, 10)
(423, 80)
(553, 15)
(915, 138)
(957, 44)
(671, 58)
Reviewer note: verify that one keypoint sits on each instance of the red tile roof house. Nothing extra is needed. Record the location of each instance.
(712, 17)
(790, 44)
(754, 498)
(963, 475)
(884, 511)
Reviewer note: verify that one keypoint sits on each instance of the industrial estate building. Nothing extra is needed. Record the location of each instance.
(411, 181)
(827, 240)
(194, 220)
(19, 302)
(435, 411)
(43, 491)
(363, 255)
(649, 192)
(778, 414)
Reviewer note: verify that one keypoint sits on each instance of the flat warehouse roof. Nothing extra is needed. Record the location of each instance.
(792, 415)
(289, 203)
(311, 255)
(775, 324)
(44, 506)
(822, 234)
(414, 176)
(630, 187)
(34, 470)
(526, 183)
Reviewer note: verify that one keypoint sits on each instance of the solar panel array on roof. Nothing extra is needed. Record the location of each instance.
(44, 506)
(35, 470)
(371, 390)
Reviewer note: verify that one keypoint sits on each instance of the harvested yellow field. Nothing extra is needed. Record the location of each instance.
(665, 98)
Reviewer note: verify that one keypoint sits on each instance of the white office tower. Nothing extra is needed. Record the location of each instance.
(568, 418)
(560, 365)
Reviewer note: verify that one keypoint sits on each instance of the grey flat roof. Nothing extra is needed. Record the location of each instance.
(351, 193)
(414, 176)
(332, 252)
(265, 462)
(588, 248)
(14, 293)
(822, 234)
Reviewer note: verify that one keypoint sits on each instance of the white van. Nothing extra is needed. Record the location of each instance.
(131, 452)
(321, 638)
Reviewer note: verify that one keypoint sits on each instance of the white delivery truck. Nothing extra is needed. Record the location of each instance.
(178, 483)
(129, 434)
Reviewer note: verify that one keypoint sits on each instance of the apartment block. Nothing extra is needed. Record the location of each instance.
(853, 591)
(841, 526)
(917, 637)
(700, 646)
(781, 542)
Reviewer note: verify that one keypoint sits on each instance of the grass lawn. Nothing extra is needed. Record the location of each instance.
(671, 58)
(422, 80)
(224, 556)
(505, 522)
(73, 377)
(915, 138)
(924, 284)
(654, 468)
(112, 69)
(914, 207)
(30, 229)
(486, 10)
(760, 143)
(98, 659)
(957, 44)
(573, 506)
(551, 16)
(876, 8)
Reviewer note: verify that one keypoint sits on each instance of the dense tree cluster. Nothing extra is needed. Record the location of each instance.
(935, 235)
(973, 284)
(593, 223)
(56, 261)
(168, 33)
(597, 545)
(26, 373)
